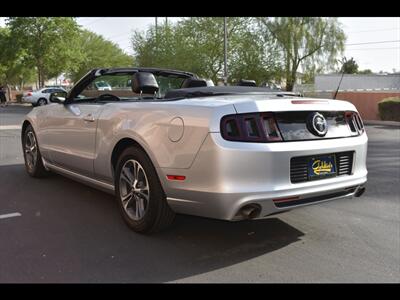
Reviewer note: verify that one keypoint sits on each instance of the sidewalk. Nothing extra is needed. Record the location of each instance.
(18, 104)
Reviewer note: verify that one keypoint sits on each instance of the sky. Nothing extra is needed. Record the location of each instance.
(377, 57)
(381, 35)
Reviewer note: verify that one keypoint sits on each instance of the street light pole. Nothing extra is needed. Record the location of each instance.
(225, 53)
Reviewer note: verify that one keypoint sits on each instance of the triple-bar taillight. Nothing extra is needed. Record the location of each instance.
(252, 127)
(354, 121)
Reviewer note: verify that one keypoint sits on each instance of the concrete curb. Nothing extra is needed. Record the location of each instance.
(18, 104)
(384, 123)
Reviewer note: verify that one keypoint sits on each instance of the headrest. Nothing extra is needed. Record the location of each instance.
(191, 82)
(144, 82)
(246, 82)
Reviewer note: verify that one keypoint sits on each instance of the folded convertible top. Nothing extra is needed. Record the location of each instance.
(223, 90)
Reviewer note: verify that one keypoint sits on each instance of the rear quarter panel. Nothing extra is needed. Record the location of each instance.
(149, 124)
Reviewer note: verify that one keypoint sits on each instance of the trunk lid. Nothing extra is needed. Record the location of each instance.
(297, 118)
(292, 104)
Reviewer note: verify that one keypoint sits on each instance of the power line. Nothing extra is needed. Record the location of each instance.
(367, 43)
(90, 23)
(383, 29)
(398, 48)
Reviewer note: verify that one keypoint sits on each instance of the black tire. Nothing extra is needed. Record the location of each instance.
(36, 169)
(41, 102)
(158, 214)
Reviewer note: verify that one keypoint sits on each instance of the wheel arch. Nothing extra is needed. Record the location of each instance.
(25, 124)
(120, 146)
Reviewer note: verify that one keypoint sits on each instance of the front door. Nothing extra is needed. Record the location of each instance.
(71, 136)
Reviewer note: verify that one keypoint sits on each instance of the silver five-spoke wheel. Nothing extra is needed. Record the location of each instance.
(134, 189)
(31, 153)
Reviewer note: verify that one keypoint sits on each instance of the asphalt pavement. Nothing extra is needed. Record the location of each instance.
(63, 231)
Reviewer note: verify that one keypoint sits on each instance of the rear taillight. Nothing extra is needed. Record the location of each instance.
(354, 121)
(253, 127)
(29, 94)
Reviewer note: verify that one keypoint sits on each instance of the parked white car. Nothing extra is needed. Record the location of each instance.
(40, 97)
(102, 86)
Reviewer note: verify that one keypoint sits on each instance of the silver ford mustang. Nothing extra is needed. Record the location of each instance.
(166, 141)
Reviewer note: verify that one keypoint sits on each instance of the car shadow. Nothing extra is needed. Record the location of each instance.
(84, 239)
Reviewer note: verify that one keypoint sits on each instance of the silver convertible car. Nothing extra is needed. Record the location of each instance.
(167, 142)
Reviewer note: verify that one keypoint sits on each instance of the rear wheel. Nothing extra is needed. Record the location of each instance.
(139, 193)
(33, 159)
(42, 102)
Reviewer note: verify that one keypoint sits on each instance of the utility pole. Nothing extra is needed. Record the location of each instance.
(225, 53)
(156, 26)
(166, 21)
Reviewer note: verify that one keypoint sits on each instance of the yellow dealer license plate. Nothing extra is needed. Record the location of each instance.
(321, 166)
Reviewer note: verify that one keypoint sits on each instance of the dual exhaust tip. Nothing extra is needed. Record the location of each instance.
(249, 211)
(360, 190)
(252, 211)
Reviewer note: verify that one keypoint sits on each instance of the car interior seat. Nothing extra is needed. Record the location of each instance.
(192, 82)
(144, 83)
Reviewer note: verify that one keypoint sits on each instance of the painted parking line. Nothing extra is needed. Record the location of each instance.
(10, 127)
(5, 216)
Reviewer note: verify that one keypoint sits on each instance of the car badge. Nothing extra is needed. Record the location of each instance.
(317, 124)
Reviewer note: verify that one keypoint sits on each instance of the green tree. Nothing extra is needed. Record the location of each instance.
(304, 42)
(196, 45)
(98, 52)
(309, 73)
(15, 69)
(350, 66)
(253, 56)
(51, 44)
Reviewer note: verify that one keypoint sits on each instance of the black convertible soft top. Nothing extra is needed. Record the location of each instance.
(224, 90)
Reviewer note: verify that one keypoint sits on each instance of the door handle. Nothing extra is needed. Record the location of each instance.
(88, 118)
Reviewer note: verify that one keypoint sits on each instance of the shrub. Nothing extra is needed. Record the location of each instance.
(389, 109)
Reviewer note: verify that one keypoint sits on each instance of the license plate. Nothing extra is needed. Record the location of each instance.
(321, 166)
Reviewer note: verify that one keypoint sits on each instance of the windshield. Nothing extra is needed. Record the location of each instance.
(119, 85)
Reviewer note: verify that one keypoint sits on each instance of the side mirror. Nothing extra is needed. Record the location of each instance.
(58, 97)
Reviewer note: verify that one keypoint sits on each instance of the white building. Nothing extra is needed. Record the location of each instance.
(351, 82)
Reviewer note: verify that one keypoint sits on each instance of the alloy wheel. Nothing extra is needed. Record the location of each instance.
(31, 153)
(134, 189)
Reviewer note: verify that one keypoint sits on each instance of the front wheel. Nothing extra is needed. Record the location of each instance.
(33, 158)
(139, 193)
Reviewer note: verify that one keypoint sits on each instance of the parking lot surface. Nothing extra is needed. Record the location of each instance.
(58, 230)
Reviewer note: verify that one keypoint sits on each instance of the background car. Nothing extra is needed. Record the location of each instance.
(40, 97)
(102, 86)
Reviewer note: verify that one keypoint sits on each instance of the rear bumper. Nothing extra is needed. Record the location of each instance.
(226, 176)
(28, 99)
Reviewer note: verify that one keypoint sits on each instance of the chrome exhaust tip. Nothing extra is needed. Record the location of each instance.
(360, 190)
(250, 211)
